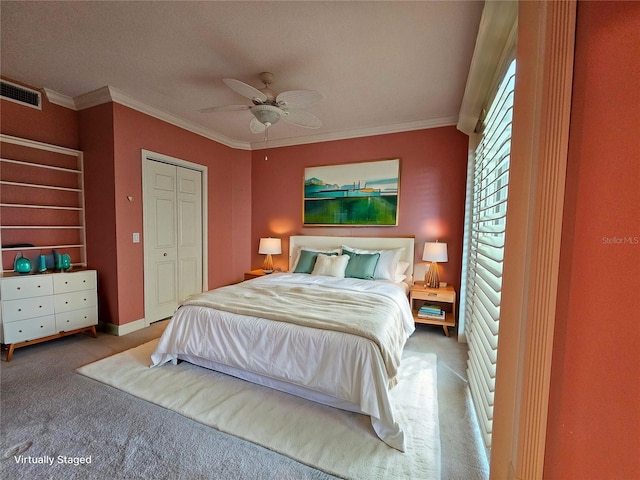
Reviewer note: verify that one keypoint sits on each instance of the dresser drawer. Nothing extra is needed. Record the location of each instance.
(13, 310)
(75, 300)
(68, 321)
(72, 282)
(30, 329)
(26, 287)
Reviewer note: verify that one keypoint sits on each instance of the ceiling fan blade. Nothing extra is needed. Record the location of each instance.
(256, 126)
(224, 108)
(299, 98)
(302, 119)
(245, 90)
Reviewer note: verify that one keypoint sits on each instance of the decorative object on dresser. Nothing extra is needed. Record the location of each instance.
(37, 308)
(433, 306)
(21, 264)
(434, 252)
(269, 246)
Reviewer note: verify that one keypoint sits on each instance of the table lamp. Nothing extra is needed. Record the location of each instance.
(434, 252)
(269, 246)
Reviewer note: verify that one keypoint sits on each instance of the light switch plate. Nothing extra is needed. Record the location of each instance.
(136, 237)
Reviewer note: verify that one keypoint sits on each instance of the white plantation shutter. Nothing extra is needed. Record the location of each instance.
(485, 234)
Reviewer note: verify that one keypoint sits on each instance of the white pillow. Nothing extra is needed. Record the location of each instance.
(387, 263)
(296, 255)
(400, 271)
(331, 265)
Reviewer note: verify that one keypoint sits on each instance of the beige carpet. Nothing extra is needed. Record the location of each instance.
(337, 442)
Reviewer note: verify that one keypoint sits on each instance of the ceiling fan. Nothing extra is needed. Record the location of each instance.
(269, 107)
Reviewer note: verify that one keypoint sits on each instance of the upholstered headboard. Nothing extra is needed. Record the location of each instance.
(366, 243)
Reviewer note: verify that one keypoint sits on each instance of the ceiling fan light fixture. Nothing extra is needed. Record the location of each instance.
(269, 106)
(266, 114)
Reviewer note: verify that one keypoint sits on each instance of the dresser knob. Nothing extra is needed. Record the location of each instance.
(19, 331)
(18, 288)
(19, 309)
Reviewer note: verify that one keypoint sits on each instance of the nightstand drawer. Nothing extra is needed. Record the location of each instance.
(26, 287)
(14, 310)
(29, 329)
(443, 296)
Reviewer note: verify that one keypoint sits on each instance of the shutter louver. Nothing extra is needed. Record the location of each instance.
(485, 233)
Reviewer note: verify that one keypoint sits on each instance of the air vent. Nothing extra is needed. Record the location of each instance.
(23, 96)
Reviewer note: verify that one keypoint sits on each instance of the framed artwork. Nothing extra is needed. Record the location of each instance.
(353, 194)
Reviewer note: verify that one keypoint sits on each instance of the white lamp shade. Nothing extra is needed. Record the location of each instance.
(435, 252)
(271, 246)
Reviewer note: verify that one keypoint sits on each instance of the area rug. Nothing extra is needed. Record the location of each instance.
(335, 441)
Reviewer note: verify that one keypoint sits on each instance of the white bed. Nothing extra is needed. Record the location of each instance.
(342, 351)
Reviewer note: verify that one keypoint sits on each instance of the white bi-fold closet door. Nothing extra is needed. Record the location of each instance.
(173, 241)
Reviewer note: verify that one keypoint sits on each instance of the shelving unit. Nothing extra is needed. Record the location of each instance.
(42, 201)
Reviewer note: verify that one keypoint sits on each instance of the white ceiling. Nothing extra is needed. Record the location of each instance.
(382, 66)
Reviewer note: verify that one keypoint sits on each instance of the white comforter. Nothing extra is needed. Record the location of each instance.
(322, 364)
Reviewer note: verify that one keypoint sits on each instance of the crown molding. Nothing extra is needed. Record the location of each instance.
(358, 133)
(59, 99)
(91, 99)
(109, 94)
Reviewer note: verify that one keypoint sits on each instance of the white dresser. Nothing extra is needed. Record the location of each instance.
(37, 308)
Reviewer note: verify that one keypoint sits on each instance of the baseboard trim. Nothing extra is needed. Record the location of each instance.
(120, 330)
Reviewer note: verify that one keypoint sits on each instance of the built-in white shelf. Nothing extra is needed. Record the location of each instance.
(74, 184)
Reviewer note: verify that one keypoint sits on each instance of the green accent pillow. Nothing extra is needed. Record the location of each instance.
(361, 265)
(307, 261)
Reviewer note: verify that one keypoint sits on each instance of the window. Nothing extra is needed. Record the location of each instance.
(485, 238)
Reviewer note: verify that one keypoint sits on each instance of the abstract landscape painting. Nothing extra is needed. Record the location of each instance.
(355, 194)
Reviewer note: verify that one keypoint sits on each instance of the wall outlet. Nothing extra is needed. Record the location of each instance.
(136, 237)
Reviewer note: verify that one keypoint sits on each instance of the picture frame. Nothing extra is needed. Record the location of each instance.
(364, 193)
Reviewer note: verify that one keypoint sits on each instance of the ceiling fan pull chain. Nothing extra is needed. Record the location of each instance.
(266, 138)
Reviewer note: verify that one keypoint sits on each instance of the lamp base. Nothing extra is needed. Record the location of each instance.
(267, 266)
(431, 277)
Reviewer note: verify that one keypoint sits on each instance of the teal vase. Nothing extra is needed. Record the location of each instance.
(22, 264)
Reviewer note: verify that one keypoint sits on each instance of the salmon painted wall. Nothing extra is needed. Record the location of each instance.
(96, 134)
(433, 168)
(229, 201)
(53, 124)
(594, 410)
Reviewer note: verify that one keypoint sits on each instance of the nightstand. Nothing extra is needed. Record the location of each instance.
(444, 298)
(254, 274)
